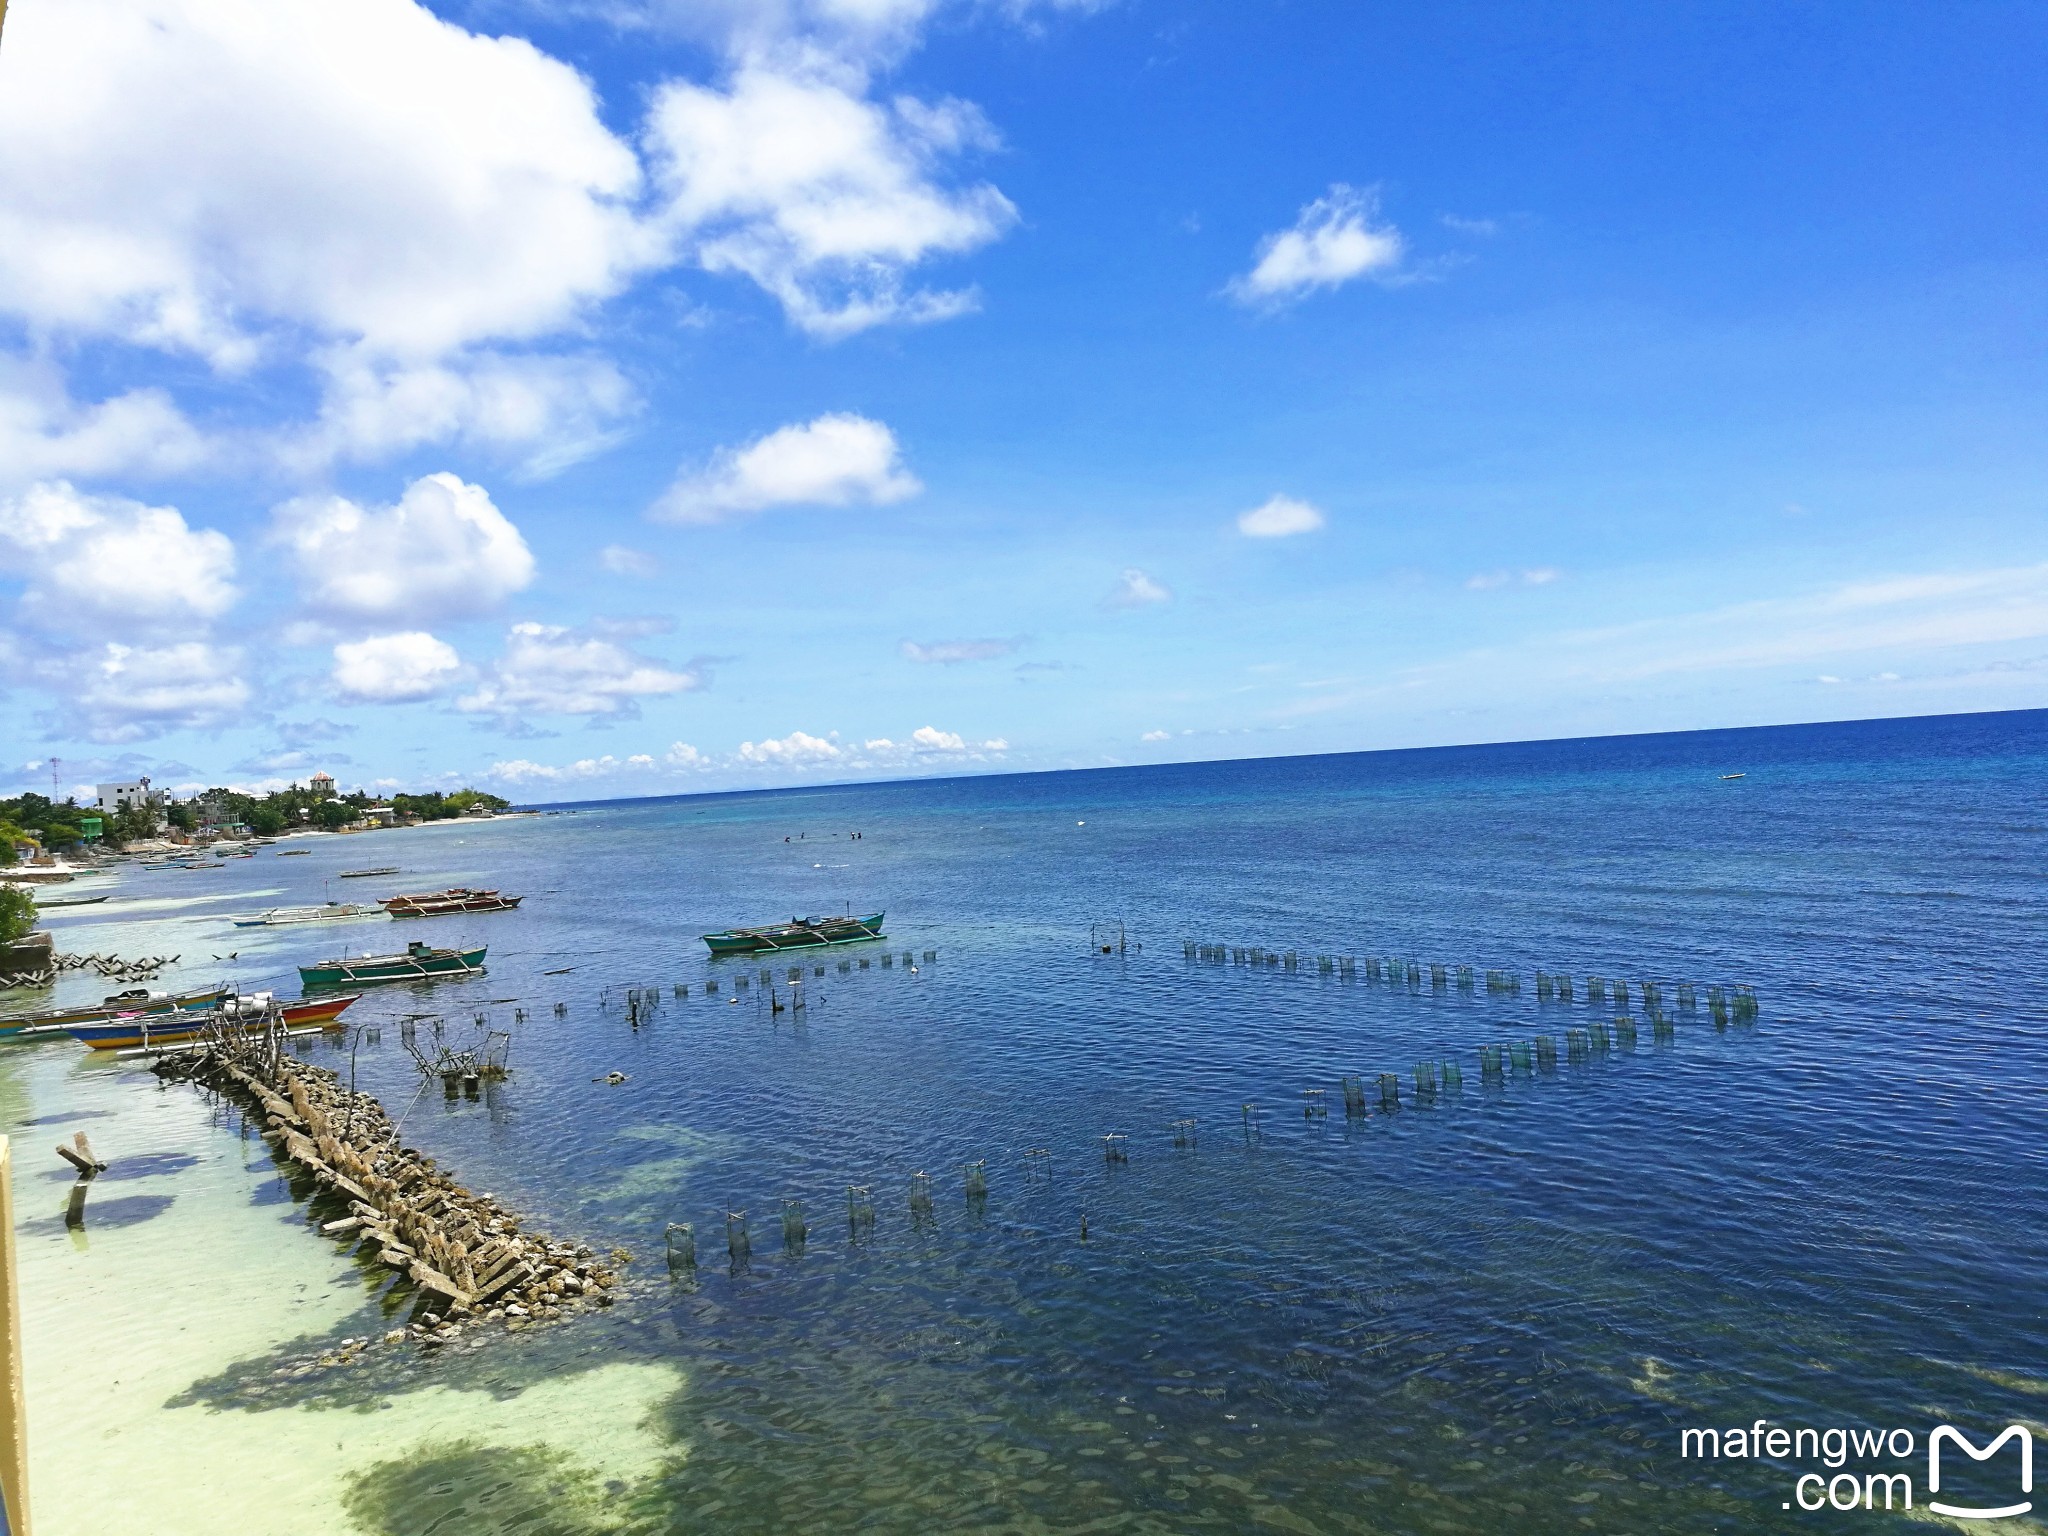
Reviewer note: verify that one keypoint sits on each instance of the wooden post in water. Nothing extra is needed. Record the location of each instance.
(13, 1405)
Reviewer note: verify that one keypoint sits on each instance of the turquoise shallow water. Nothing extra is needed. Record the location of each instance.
(1494, 1311)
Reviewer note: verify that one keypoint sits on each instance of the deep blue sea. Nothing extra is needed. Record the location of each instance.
(1494, 1309)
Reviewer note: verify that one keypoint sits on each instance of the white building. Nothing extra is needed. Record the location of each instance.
(118, 797)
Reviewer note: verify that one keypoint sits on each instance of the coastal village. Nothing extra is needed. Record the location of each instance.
(47, 843)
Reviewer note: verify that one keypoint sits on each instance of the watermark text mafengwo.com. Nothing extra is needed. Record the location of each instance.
(1843, 1489)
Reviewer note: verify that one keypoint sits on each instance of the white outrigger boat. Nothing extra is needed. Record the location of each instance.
(325, 912)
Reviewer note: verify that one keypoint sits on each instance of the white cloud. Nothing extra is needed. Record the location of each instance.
(853, 30)
(102, 562)
(621, 561)
(1334, 240)
(443, 551)
(798, 748)
(550, 670)
(950, 652)
(925, 741)
(1134, 589)
(1157, 736)
(520, 770)
(1278, 518)
(681, 755)
(132, 692)
(1901, 619)
(551, 410)
(395, 669)
(1902, 614)
(857, 32)
(837, 460)
(1487, 581)
(356, 191)
(44, 432)
(824, 198)
(201, 176)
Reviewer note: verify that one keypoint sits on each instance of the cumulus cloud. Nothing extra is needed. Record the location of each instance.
(1334, 240)
(798, 752)
(1538, 576)
(1134, 589)
(1157, 736)
(198, 176)
(520, 770)
(551, 411)
(925, 740)
(950, 652)
(550, 670)
(795, 749)
(443, 551)
(793, 178)
(354, 191)
(395, 669)
(1279, 517)
(44, 432)
(120, 693)
(103, 562)
(839, 459)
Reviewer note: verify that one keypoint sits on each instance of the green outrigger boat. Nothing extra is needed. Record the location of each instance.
(797, 933)
(420, 962)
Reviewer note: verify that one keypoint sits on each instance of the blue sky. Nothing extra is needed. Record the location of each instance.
(650, 396)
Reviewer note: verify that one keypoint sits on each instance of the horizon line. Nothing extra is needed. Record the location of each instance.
(1451, 746)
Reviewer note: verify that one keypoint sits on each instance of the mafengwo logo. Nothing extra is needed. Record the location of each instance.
(1948, 1434)
(1870, 1468)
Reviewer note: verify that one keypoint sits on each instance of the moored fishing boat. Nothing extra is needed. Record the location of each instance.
(250, 1014)
(797, 933)
(457, 898)
(419, 962)
(322, 913)
(364, 874)
(138, 1000)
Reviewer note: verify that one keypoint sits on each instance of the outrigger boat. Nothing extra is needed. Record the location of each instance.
(138, 1000)
(797, 933)
(235, 1013)
(321, 913)
(457, 898)
(420, 962)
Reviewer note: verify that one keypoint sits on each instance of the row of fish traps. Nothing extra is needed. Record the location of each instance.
(1737, 1001)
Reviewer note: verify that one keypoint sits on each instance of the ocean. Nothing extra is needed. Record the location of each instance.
(1496, 1306)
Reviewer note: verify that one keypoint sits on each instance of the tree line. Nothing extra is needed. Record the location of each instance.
(56, 824)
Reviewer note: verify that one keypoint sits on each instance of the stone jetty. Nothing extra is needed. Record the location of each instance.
(466, 1257)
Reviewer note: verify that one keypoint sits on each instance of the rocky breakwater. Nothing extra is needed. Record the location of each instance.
(465, 1257)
